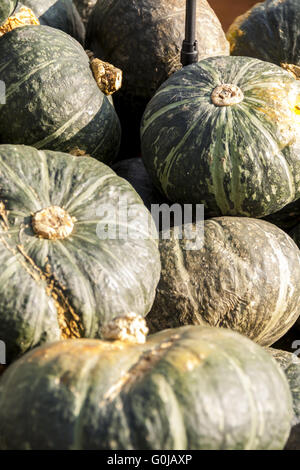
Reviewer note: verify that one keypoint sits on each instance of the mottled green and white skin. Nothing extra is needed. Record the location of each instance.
(60, 14)
(52, 99)
(246, 277)
(6, 9)
(226, 133)
(144, 39)
(60, 277)
(290, 363)
(186, 388)
(269, 31)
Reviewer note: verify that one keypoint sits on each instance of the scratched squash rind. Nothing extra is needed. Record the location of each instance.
(67, 288)
(245, 276)
(176, 391)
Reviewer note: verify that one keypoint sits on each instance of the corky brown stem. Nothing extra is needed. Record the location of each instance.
(227, 95)
(294, 70)
(107, 76)
(53, 223)
(24, 16)
(131, 329)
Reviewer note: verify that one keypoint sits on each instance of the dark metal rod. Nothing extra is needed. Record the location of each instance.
(189, 52)
(190, 21)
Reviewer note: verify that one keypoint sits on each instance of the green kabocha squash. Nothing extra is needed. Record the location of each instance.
(226, 132)
(6, 9)
(52, 98)
(290, 363)
(175, 391)
(269, 31)
(60, 14)
(232, 272)
(70, 259)
(144, 40)
(85, 7)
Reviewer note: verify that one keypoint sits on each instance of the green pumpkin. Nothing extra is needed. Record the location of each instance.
(176, 391)
(269, 31)
(62, 275)
(290, 364)
(144, 38)
(6, 9)
(225, 132)
(242, 274)
(52, 99)
(60, 14)
(85, 7)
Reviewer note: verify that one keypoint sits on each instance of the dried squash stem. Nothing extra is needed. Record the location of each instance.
(107, 76)
(24, 16)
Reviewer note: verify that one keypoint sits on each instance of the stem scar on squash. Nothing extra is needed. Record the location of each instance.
(68, 320)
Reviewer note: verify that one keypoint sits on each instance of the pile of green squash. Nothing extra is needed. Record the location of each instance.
(86, 273)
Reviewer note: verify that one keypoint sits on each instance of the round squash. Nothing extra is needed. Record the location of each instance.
(242, 274)
(173, 392)
(52, 98)
(85, 7)
(133, 170)
(290, 364)
(269, 31)
(60, 14)
(225, 132)
(6, 9)
(144, 40)
(62, 273)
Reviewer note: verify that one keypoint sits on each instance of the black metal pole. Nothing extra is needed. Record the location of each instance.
(189, 51)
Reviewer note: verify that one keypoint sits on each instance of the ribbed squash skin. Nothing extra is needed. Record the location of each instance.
(144, 39)
(6, 9)
(60, 14)
(290, 363)
(52, 99)
(85, 8)
(175, 392)
(80, 281)
(237, 160)
(245, 277)
(269, 31)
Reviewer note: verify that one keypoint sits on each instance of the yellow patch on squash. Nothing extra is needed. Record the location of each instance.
(297, 106)
(235, 30)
